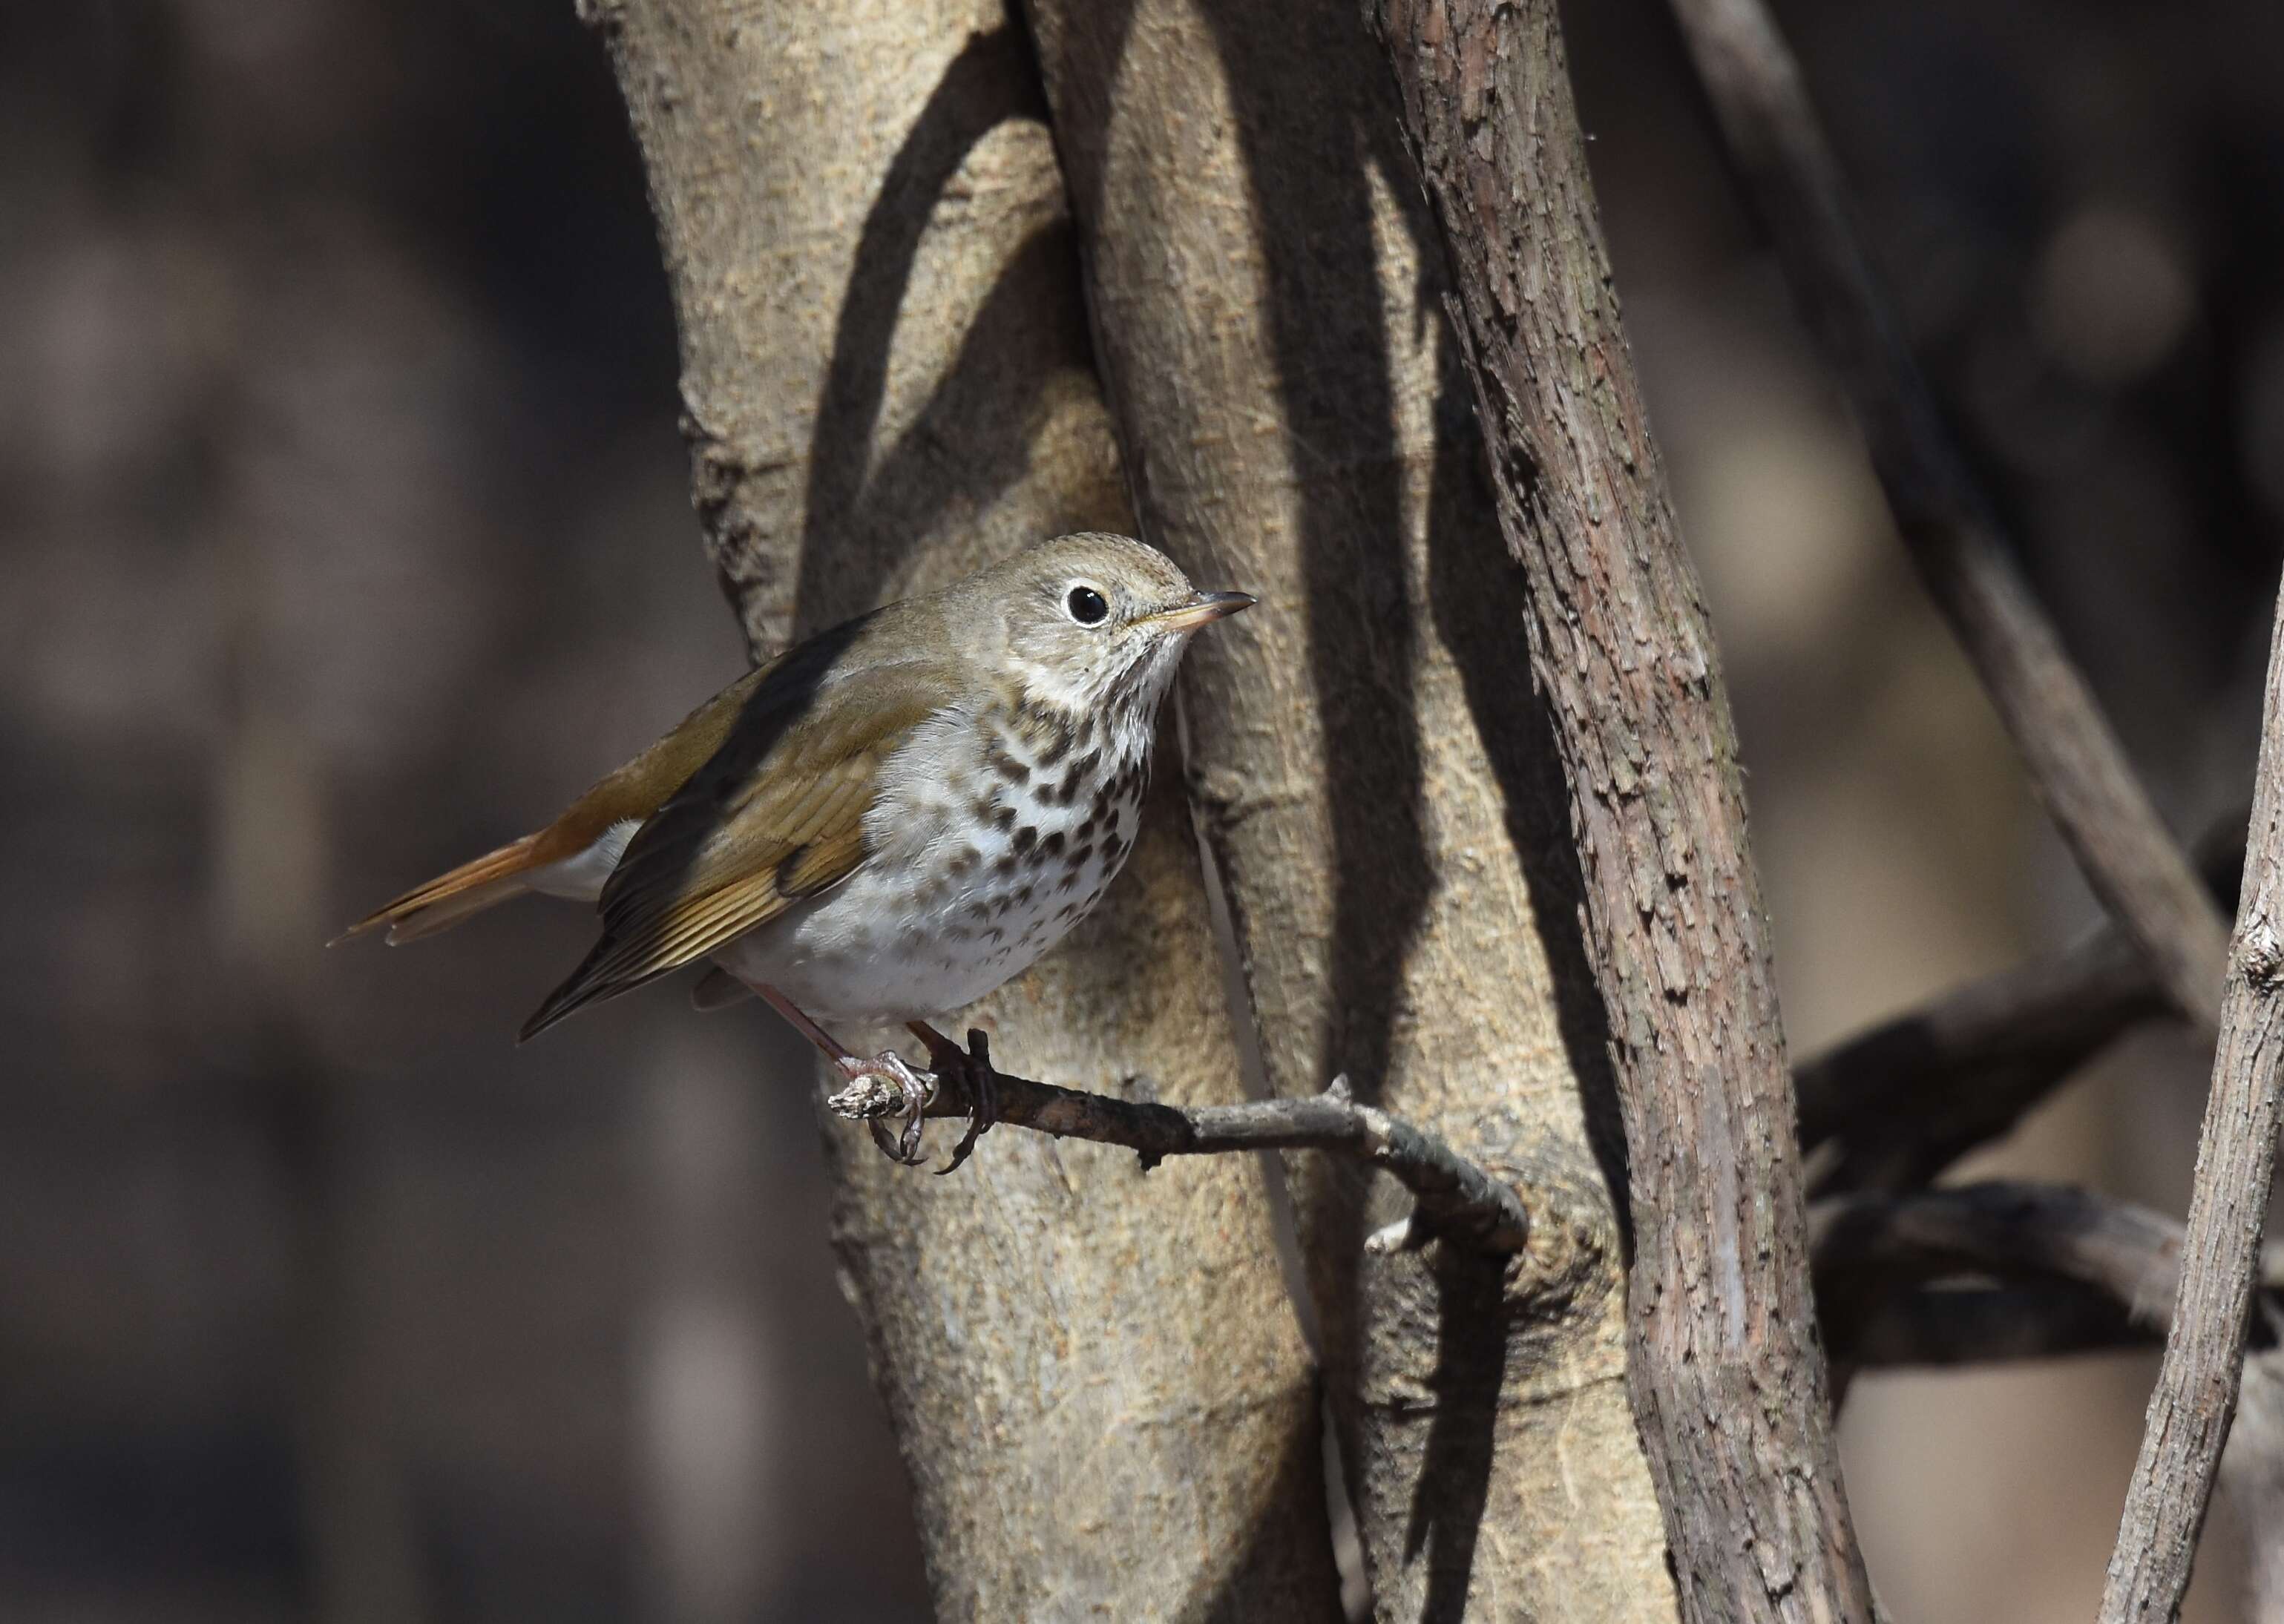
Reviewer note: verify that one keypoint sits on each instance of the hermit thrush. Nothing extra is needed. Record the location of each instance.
(885, 821)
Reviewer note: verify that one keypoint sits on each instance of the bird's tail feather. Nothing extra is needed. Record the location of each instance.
(451, 897)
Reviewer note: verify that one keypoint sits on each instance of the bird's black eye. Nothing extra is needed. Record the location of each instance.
(1087, 607)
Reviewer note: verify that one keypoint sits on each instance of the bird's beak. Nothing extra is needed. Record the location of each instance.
(1203, 609)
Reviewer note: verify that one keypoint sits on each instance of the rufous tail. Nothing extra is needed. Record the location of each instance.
(451, 897)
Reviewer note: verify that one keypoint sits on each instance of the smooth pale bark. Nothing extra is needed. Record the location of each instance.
(1370, 771)
(1094, 1375)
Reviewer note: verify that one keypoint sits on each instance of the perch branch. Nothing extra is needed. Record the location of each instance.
(2196, 1394)
(1456, 1199)
(2074, 762)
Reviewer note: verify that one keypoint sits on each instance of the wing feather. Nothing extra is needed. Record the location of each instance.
(774, 817)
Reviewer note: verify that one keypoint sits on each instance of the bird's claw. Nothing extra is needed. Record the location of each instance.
(971, 1069)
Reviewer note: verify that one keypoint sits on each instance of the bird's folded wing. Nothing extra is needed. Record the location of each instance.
(776, 814)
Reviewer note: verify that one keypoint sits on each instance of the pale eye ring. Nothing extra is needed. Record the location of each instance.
(1086, 606)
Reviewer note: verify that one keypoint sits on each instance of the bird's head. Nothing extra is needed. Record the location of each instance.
(1095, 622)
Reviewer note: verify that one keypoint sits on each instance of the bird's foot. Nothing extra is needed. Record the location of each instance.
(971, 1069)
(888, 1074)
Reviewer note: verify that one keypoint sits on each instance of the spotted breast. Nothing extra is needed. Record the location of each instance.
(991, 837)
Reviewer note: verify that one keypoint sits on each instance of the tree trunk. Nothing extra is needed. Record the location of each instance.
(1094, 1375)
(1728, 1376)
(1372, 774)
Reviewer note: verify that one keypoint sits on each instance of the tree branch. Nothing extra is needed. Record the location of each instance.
(1456, 1198)
(1727, 1378)
(2077, 1272)
(1893, 1106)
(2007, 1228)
(1945, 1326)
(2074, 762)
(2196, 1394)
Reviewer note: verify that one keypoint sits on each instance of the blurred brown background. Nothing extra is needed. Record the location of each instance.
(344, 531)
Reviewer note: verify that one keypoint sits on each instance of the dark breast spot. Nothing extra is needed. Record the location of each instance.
(1053, 846)
(1051, 736)
(1026, 837)
(1007, 767)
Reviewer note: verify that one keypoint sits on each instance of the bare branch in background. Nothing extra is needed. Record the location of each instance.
(2008, 1228)
(1722, 1312)
(2196, 1391)
(2049, 1246)
(1940, 1326)
(1891, 1107)
(2075, 762)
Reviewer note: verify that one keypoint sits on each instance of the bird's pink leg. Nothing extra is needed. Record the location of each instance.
(888, 1064)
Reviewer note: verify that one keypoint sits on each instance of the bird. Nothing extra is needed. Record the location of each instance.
(882, 824)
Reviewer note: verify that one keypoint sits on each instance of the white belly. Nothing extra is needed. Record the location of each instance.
(949, 905)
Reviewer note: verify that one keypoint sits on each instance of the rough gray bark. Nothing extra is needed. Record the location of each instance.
(2196, 1392)
(1094, 1376)
(2252, 1468)
(1368, 770)
(1727, 1376)
(2076, 763)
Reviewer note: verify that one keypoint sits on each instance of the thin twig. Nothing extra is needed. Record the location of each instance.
(2196, 1394)
(2074, 762)
(1457, 1200)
